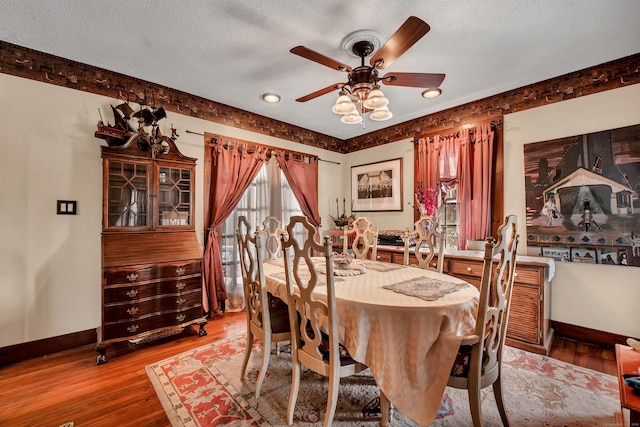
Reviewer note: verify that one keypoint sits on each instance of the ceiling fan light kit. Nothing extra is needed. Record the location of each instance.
(352, 118)
(361, 93)
(343, 105)
(380, 114)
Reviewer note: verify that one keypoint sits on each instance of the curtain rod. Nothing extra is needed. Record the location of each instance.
(292, 152)
(493, 124)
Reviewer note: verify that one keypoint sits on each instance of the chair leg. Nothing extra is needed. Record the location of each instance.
(266, 354)
(385, 410)
(293, 395)
(332, 400)
(247, 353)
(475, 403)
(497, 391)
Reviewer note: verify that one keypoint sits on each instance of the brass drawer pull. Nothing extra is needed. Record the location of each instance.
(180, 286)
(132, 310)
(180, 317)
(132, 277)
(132, 328)
(469, 269)
(180, 270)
(132, 293)
(180, 301)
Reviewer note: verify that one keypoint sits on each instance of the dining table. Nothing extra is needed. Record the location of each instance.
(403, 322)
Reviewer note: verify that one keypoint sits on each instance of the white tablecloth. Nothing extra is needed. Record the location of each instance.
(408, 343)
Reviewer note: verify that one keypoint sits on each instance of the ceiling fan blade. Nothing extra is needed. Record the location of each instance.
(423, 80)
(321, 92)
(319, 58)
(406, 36)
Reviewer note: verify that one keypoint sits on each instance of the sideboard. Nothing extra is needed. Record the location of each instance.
(529, 317)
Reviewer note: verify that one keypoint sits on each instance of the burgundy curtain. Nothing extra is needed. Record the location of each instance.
(233, 169)
(464, 157)
(302, 174)
(476, 176)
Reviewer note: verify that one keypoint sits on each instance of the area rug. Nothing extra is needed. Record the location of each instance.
(202, 387)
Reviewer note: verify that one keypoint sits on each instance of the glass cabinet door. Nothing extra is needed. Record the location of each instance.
(127, 195)
(174, 196)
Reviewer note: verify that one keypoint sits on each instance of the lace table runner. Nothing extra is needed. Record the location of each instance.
(426, 288)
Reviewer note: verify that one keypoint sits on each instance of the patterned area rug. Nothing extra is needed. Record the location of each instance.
(202, 387)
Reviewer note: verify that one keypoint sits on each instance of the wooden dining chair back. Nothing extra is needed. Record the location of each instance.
(364, 241)
(273, 229)
(317, 349)
(267, 316)
(479, 360)
(429, 244)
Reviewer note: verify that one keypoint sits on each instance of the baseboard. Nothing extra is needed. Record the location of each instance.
(587, 335)
(39, 348)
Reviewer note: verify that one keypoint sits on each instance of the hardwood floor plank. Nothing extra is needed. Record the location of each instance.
(68, 386)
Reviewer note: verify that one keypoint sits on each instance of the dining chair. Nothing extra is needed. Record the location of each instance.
(267, 315)
(429, 242)
(317, 349)
(479, 360)
(272, 227)
(365, 239)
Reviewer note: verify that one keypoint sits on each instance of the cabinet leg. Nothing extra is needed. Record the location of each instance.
(102, 356)
(201, 331)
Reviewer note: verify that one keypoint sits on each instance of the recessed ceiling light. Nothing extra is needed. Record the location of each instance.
(271, 98)
(431, 92)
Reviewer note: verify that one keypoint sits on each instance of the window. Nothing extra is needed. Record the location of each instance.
(450, 217)
(268, 195)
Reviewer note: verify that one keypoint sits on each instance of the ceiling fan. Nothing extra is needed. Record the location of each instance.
(361, 93)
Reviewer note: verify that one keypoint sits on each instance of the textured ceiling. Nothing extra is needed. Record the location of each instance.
(232, 51)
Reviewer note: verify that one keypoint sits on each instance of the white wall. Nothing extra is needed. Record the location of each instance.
(600, 297)
(402, 149)
(50, 264)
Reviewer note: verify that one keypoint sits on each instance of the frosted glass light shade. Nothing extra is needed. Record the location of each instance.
(352, 118)
(432, 92)
(381, 114)
(343, 105)
(375, 99)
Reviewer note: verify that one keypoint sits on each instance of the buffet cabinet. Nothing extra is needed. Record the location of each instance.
(152, 267)
(529, 315)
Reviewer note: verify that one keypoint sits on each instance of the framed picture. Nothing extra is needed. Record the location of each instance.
(377, 186)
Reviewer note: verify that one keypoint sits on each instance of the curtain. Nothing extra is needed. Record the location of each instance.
(268, 195)
(476, 181)
(465, 158)
(234, 169)
(302, 174)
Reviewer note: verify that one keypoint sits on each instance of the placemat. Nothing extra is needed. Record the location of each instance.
(426, 288)
(382, 267)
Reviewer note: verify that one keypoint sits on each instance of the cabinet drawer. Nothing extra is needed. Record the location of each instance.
(142, 308)
(130, 328)
(135, 274)
(459, 267)
(384, 256)
(182, 269)
(122, 293)
(139, 274)
(529, 275)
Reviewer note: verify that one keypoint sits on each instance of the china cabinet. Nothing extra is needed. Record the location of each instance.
(152, 271)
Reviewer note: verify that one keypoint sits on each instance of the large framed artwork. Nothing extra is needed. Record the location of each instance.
(377, 186)
(582, 197)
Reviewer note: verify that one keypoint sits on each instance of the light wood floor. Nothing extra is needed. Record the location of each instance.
(68, 386)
